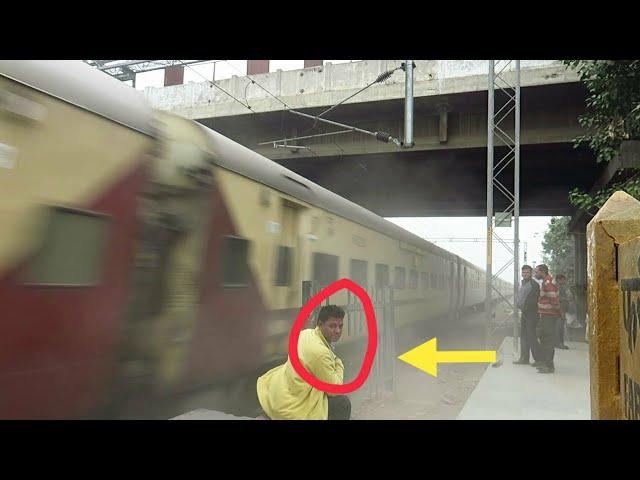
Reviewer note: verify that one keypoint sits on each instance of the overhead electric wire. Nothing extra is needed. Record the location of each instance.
(381, 136)
(307, 136)
(380, 78)
(256, 83)
(247, 106)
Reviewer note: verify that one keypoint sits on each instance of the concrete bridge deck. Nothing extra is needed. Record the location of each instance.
(328, 84)
(444, 172)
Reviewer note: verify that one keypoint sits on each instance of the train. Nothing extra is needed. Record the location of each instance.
(143, 254)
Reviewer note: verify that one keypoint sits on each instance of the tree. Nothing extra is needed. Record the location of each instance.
(558, 248)
(612, 116)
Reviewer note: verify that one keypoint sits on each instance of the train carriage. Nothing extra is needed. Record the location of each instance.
(144, 254)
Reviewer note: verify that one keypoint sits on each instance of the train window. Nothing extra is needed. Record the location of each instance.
(413, 279)
(382, 275)
(325, 268)
(72, 251)
(359, 272)
(434, 282)
(399, 279)
(283, 266)
(424, 281)
(234, 264)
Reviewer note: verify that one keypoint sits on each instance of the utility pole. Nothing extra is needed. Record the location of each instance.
(408, 104)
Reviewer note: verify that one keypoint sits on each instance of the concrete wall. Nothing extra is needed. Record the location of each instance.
(329, 84)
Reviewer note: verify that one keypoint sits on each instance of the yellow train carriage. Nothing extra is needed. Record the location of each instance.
(148, 254)
(297, 231)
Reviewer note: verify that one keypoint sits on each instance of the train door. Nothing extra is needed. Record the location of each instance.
(165, 293)
(458, 285)
(292, 243)
(453, 291)
(464, 287)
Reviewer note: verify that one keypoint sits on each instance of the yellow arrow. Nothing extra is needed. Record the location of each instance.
(426, 357)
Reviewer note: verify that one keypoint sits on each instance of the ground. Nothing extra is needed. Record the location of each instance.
(420, 396)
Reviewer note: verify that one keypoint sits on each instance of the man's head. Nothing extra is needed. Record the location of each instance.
(542, 271)
(526, 272)
(330, 321)
(561, 279)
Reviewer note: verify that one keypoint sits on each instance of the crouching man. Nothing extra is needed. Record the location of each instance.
(284, 395)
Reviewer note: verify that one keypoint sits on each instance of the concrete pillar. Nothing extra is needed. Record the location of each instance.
(173, 75)
(616, 222)
(629, 324)
(443, 130)
(312, 63)
(257, 66)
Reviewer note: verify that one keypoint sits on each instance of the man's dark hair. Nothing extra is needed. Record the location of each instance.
(527, 267)
(544, 268)
(330, 311)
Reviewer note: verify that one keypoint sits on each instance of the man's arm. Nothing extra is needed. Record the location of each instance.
(328, 369)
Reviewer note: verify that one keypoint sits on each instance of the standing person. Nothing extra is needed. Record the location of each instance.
(549, 311)
(563, 294)
(527, 302)
(284, 395)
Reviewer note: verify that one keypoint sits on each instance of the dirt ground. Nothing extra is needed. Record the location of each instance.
(420, 396)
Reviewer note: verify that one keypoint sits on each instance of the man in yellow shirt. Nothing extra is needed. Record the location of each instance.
(284, 395)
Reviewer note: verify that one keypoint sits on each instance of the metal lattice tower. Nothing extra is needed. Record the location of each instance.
(504, 128)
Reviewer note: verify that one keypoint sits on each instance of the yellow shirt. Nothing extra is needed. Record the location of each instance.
(284, 395)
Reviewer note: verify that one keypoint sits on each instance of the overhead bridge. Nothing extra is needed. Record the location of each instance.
(444, 174)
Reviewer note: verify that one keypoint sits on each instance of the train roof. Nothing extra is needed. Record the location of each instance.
(235, 157)
(79, 84)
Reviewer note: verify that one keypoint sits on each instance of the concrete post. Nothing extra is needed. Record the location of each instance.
(443, 111)
(312, 63)
(257, 66)
(617, 221)
(173, 75)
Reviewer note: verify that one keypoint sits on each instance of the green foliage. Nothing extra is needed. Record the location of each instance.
(612, 116)
(613, 104)
(558, 248)
(592, 203)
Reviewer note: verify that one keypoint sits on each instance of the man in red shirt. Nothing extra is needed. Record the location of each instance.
(549, 311)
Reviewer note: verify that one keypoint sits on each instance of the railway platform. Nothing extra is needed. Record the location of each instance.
(205, 414)
(519, 392)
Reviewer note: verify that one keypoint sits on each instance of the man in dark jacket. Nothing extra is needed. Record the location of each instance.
(527, 302)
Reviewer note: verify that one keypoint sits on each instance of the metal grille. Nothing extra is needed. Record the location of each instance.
(383, 371)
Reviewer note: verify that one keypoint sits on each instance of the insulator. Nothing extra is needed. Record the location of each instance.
(383, 137)
(384, 76)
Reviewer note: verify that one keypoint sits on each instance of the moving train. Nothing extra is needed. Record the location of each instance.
(143, 254)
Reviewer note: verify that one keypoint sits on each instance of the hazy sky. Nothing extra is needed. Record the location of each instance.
(531, 231)
(531, 228)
